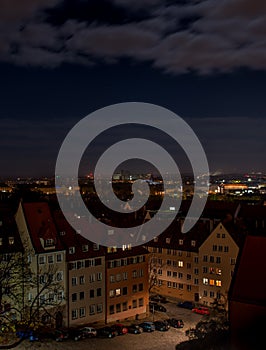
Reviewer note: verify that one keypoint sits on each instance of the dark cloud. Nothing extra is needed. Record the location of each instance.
(177, 36)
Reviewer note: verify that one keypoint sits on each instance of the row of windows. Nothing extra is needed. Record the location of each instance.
(92, 294)
(85, 263)
(48, 297)
(124, 290)
(92, 278)
(126, 261)
(51, 258)
(212, 282)
(180, 241)
(212, 294)
(124, 306)
(124, 276)
(177, 285)
(81, 312)
(220, 248)
(11, 240)
(59, 276)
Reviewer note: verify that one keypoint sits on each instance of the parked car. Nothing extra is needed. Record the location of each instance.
(106, 332)
(161, 326)
(135, 329)
(61, 334)
(75, 334)
(120, 329)
(88, 332)
(202, 310)
(175, 322)
(147, 326)
(156, 307)
(186, 304)
(158, 298)
(28, 334)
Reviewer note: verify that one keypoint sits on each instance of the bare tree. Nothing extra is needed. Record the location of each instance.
(155, 267)
(27, 300)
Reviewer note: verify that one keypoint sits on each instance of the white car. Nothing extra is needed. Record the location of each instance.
(89, 332)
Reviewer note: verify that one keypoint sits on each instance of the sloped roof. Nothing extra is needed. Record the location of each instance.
(41, 225)
(248, 284)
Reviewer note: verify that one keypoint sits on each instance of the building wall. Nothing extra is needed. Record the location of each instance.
(217, 257)
(86, 292)
(126, 288)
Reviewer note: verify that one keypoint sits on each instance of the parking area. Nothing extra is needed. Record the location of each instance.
(155, 340)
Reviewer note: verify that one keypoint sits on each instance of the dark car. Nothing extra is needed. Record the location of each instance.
(135, 329)
(61, 334)
(186, 304)
(106, 332)
(175, 323)
(76, 334)
(119, 329)
(161, 326)
(156, 307)
(147, 326)
(28, 334)
(158, 298)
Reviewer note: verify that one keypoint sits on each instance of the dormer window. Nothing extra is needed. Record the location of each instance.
(11, 240)
(155, 239)
(193, 243)
(1, 241)
(95, 246)
(71, 250)
(85, 247)
(49, 242)
(181, 242)
(62, 233)
(168, 240)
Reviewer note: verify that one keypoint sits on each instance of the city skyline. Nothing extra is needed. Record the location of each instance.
(60, 61)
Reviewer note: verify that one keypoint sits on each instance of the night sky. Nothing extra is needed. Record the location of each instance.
(61, 60)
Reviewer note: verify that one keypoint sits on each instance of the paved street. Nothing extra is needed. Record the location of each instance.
(145, 341)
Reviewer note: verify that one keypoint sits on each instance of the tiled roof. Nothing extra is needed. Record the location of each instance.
(9, 235)
(41, 225)
(248, 283)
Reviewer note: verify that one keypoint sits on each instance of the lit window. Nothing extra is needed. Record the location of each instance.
(218, 283)
(168, 240)
(205, 281)
(181, 241)
(180, 263)
(11, 240)
(71, 250)
(82, 312)
(193, 243)
(212, 282)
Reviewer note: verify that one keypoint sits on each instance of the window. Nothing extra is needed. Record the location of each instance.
(223, 235)
(91, 293)
(205, 258)
(193, 243)
(220, 248)
(169, 284)
(169, 262)
(169, 251)
(205, 269)
(196, 260)
(205, 293)
(196, 271)
(226, 249)
(124, 262)
(50, 259)
(42, 279)
(74, 281)
(218, 283)
(81, 280)
(118, 308)
(59, 257)
(99, 308)
(74, 297)
(82, 312)
(124, 306)
(49, 242)
(188, 277)
(140, 287)
(188, 254)
(59, 276)
(169, 273)
(188, 265)
(214, 248)
(134, 274)
(99, 276)
(112, 278)
(212, 270)
(92, 278)
(218, 235)
(118, 292)
(134, 288)
(196, 281)
(218, 271)
(124, 290)
(141, 302)
(98, 261)
(111, 309)
(74, 314)
(96, 246)
(174, 263)
(11, 240)
(233, 261)
(41, 260)
(180, 263)
(212, 259)
(174, 285)
(134, 304)
(211, 282)
(211, 294)
(1, 241)
(180, 275)
(189, 288)
(205, 281)
(124, 276)
(174, 274)
(92, 309)
(180, 241)
(71, 250)
(218, 260)
(168, 240)
(180, 253)
(85, 247)
(180, 286)
(117, 263)
(141, 273)
(111, 293)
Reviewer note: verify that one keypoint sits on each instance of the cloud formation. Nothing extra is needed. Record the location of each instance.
(204, 36)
